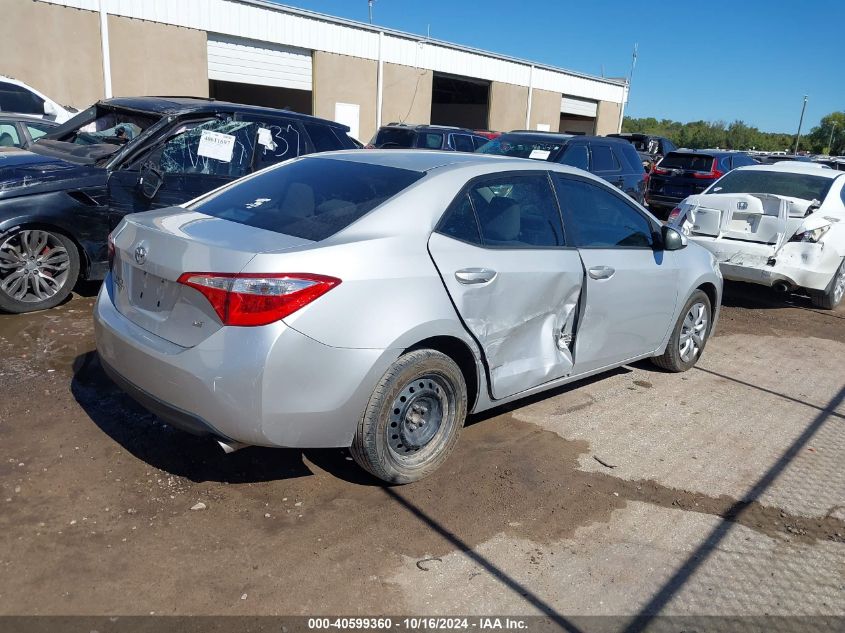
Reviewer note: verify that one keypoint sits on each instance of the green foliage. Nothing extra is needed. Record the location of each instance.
(739, 135)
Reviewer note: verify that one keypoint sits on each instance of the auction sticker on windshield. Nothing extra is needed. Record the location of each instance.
(216, 145)
(539, 154)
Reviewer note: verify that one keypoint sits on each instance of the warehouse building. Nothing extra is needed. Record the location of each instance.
(252, 51)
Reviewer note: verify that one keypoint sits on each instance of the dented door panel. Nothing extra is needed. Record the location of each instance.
(523, 316)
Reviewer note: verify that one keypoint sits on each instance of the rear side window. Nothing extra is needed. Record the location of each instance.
(313, 198)
(459, 221)
(603, 159)
(479, 141)
(462, 143)
(13, 98)
(323, 137)
(517, 211)
(598, 218)
(577, 156)
(37, 130)
(689, 162)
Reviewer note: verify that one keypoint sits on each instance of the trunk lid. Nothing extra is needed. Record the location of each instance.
(760, 218)
(153, 249)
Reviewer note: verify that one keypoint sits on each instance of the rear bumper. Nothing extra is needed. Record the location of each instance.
(268, 386)
(797, 264)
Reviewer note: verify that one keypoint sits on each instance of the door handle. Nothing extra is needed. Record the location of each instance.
(475, 275)
(601, 272)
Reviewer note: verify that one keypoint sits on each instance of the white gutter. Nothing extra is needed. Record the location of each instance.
(104, 43)
(530, 95)
(380, 79)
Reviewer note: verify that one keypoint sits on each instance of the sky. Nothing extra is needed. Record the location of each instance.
(748, 60)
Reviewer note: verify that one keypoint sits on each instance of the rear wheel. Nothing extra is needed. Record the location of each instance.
(689, 336)
(38, 269)
(413, 418)
(831, 296)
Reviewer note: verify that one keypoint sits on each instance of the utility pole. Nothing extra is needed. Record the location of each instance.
(800, 123)
(627, 86)
(370, 7)
(830, 142)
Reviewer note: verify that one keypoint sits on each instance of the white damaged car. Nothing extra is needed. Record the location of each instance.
(780, 225)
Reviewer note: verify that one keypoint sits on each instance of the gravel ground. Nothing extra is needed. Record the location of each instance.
(719, 491)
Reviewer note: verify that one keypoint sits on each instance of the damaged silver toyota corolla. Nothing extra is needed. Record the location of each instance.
(372, 299)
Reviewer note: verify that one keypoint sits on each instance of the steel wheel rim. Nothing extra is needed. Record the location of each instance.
(693, 332)
(422, 412)
(839, 285)
(34, 266)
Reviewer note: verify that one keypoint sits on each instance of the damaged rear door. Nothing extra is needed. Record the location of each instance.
(501, 252)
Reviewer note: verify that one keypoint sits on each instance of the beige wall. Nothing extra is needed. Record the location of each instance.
(607, 117)
(344, 79)
(53, 49)
(545, 109)
(508, 104)
(407, 94)
(148, 58)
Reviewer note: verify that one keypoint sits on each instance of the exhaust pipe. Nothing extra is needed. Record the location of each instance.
(781, 286)
(230, 446)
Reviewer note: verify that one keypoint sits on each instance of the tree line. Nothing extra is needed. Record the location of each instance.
(739, 135)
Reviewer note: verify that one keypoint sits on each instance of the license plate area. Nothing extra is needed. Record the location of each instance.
(149, 292)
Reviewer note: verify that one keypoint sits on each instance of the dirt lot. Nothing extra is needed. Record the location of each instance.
(719, 491)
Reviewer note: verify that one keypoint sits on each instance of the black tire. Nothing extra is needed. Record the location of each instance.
(29, 303)
(671, 359)
(424, 380)
(831, 296)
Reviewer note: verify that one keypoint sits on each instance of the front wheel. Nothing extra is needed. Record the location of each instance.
(689, 335)
(413, 418)
(831, 296)
(38, 269)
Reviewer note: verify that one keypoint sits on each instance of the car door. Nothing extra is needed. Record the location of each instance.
(501, 253)
(631, 284)
(605, 165)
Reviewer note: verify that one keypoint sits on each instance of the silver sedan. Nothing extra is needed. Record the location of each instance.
(371, 299)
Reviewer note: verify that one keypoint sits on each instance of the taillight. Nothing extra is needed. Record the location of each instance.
(111, 251)
(250, 299)
(675, 213)
(659, 172)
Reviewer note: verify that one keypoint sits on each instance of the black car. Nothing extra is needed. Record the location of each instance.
(685, 172)
(650, 148)
(612, 159)
(60, 199)
(404, 136)
(21, 130)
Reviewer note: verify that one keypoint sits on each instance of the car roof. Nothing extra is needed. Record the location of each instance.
(426, 126)
(710, 152)
(793, 167)
(26, 118)
(184, 105)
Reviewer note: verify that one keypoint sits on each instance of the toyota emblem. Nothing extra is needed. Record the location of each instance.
(140, 254)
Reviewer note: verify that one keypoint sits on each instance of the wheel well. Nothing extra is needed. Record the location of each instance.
(84, 264)
(459, 352)
(710, 290)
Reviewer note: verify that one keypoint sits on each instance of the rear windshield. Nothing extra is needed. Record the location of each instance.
(313, 198)
(803, 186)
(391, 137)
(689, 162)
(521, 147)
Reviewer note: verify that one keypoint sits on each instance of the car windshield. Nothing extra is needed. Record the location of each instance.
(802, 186)
(100, 125)
(688, 162)
(522, 147)
(313, 198)
(394, 137)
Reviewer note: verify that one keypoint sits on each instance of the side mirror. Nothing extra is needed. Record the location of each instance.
(150, 181)
(50, 109)
(673, 240)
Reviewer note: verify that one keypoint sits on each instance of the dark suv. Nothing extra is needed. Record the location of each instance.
(59, 199)
(686, 172)
(403, 136)
(650, 148)
(611, 159)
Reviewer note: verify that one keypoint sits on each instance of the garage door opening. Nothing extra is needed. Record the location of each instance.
(459, 101)
(577, 115)
(267, 96)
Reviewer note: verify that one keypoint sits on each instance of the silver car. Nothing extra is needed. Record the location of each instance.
(371, 299)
